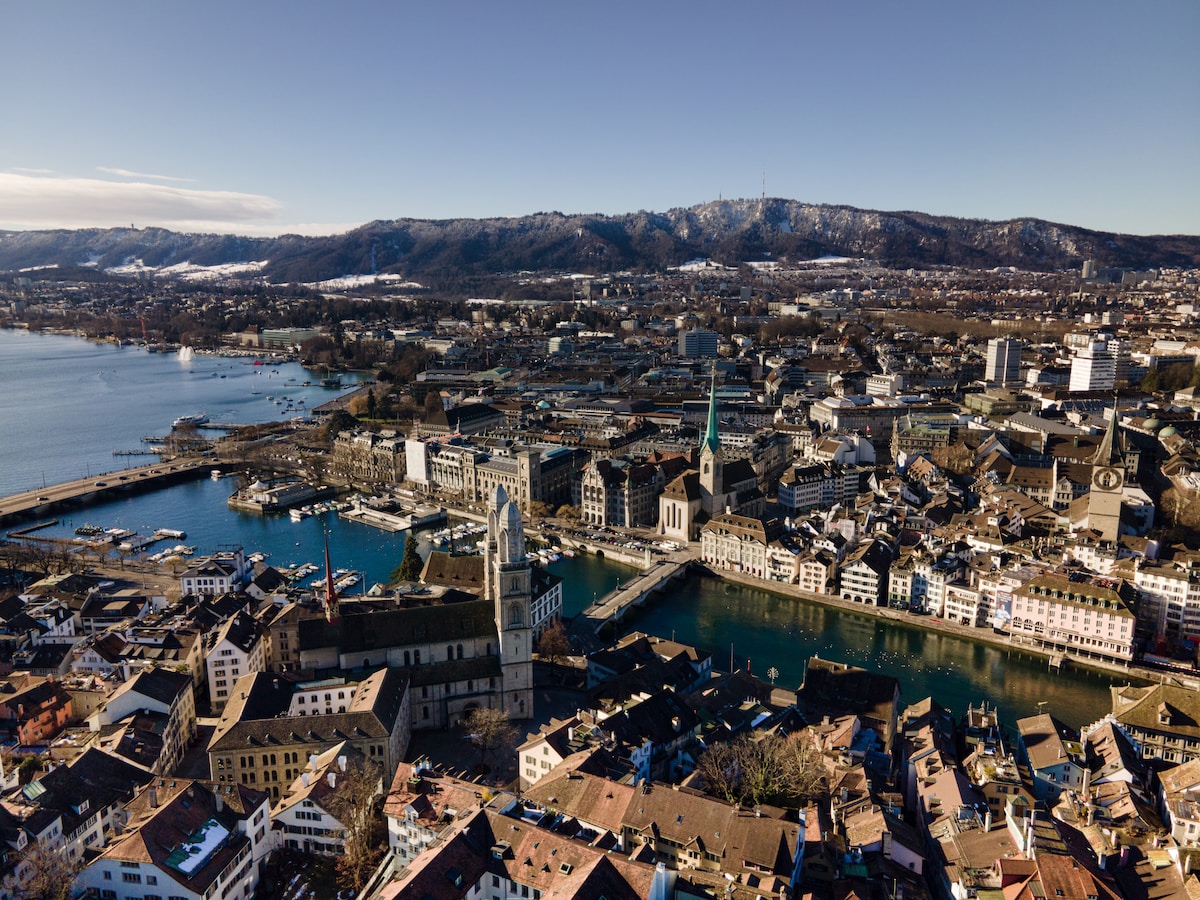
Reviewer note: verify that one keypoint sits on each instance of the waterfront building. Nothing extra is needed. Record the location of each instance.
(816, 572)
(192, 840)
(864, 574)
(528, 474)
(365, 457)
(621, 493)
(238, 648)
(1080, 618)
(753, 546)
(271, 727)
(285, 338)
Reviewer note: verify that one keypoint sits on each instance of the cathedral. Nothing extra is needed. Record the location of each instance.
(720, 485)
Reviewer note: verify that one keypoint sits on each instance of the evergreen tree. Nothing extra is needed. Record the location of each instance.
(411, 565)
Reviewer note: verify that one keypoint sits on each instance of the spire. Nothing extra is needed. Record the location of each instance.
(331, 600)
(711, 437)
(1109, 451)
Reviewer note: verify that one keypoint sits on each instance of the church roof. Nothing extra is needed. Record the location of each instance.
(712, 440)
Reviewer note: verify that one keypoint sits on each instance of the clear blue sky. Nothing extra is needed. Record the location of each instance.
(262, 117)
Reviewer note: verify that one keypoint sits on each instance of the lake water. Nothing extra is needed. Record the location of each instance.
(68, 403)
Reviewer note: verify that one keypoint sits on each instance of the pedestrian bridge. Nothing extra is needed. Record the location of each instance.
(612, 608)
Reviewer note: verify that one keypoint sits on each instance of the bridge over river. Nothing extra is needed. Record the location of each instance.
(41, 501)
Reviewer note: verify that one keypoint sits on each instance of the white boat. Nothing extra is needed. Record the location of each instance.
(194, 420)
(173, 533)
(299, 514)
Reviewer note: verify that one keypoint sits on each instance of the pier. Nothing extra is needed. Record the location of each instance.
(392, 521)
(40, 501)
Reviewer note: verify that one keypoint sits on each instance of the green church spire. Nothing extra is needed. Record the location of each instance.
(711, 438)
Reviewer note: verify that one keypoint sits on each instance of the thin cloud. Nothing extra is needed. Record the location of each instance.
(29, 203)
(126, 173)
(24, 171)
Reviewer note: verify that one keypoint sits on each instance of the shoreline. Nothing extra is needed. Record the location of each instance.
(966, 632)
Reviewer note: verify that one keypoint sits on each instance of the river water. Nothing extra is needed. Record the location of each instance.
(68, 403)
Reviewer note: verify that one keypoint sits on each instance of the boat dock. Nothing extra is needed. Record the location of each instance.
(388, 520)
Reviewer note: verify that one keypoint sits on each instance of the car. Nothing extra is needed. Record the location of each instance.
(101, 484)
(43, 499)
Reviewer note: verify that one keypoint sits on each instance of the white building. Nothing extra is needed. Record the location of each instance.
(310, 815)
(186, 840)
(224, 572)
(1003, 361)
(1077, 617)
(239, 648)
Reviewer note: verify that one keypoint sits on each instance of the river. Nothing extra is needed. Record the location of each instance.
(68, 403)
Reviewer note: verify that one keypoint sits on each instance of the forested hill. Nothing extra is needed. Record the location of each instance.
(728, 231)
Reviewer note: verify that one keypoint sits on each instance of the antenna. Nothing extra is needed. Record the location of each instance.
(764, 184)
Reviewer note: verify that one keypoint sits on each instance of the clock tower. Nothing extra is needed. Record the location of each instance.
(1108, 483)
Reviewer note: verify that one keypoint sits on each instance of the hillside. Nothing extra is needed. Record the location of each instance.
(729, 231)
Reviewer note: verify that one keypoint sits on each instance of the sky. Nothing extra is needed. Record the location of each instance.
(270, 117)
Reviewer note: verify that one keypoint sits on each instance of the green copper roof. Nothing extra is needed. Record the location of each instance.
(711, 438)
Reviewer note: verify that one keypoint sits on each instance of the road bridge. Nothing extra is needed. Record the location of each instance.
(612, 608)
(44, 500)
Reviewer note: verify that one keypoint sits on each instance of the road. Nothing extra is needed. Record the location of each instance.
(44, 500)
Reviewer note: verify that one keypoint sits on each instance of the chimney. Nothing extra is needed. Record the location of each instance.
(987, 820)
(342, 763)
(332, 776)
(218, 801)
(312, 761)
(304, 776)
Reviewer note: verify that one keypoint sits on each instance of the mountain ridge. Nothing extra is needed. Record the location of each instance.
(729, 231)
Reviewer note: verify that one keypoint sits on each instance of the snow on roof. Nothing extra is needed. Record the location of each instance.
(194, 853)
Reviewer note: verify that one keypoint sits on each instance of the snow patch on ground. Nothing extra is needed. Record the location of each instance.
(186, 271)
(353, 281)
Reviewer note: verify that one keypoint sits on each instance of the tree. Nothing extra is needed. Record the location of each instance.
(410, 565)
(491, 733)
(553, 643)
(771, 769)
(46, 874)
(354, 803)
(567, 511)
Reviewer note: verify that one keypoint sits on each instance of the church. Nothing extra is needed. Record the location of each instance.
(465, 642)
(720, 485)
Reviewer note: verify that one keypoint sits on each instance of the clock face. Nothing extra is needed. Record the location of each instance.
(1107, 479)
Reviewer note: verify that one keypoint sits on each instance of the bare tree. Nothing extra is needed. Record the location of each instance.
(355, 804)
(553, 644)
(769, 769)
(43, 873)
(491, 733)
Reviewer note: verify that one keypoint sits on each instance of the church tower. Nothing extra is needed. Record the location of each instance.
(508, 582)
(712, 460)
(1108, 483)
